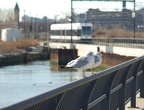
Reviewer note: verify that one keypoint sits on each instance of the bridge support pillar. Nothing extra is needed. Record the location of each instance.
(60, 57)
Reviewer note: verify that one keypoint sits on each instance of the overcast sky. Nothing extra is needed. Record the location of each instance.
(51, 8)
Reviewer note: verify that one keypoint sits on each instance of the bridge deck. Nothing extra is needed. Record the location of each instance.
(139, 104)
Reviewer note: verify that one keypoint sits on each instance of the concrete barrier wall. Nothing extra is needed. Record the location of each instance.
(136, 52)
(84, 48)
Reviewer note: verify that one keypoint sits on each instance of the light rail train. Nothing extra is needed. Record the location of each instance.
(78, 31)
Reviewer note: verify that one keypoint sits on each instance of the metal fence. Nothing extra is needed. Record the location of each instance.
(110, 89)
(123, 42)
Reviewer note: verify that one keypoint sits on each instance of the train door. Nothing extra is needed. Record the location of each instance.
(64, 34)
(61, 34)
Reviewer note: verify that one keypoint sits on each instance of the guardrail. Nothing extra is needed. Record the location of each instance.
(110, 89)
(123, 42)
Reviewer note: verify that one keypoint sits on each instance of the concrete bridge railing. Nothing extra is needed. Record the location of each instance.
(110, 89)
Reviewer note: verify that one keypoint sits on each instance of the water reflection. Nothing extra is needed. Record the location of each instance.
(20, 82)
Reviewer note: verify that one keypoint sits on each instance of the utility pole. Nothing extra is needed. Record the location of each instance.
(35, 27)
(31, 28)
(134, 19)
(45, 27)
(24, 24)
(71, 21)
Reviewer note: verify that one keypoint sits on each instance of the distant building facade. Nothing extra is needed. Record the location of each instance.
(113, 19)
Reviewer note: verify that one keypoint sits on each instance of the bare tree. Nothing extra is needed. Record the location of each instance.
(7, 15)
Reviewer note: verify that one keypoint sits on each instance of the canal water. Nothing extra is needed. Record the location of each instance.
(21, 82)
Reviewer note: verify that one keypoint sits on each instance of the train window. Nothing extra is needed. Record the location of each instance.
(86, 30)
(55, 32)
(68, 32)
(63, 32)
(75, 32)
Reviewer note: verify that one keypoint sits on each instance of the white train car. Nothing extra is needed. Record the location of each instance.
(63, 31)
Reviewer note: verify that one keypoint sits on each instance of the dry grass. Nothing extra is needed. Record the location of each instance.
(18, 46)
(24, 43)
(117, 33)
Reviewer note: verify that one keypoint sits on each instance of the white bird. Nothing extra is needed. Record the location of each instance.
(97, 60)
(82, 63)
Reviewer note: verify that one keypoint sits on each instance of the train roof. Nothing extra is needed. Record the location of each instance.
(68, 25)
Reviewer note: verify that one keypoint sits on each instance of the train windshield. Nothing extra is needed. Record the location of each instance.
(86, 30)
